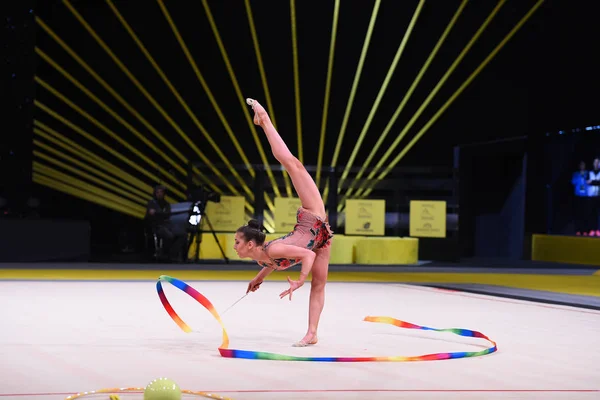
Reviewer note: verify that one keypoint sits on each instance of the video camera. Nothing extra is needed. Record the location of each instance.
(203, 194)
(200, 196)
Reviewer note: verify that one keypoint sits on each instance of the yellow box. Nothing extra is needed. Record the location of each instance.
(343, 249)
(428, 219)
(286, 209)
(365, 217)
(277, 235)
(229, 251)
(566, 249)
(227, 215)
(387, 250)
(209, 249)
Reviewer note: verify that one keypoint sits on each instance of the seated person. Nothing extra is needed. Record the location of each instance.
(158, 212)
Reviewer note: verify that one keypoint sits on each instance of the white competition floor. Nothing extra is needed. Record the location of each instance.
(58, 338)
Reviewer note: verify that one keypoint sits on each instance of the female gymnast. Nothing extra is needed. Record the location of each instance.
(309, 242)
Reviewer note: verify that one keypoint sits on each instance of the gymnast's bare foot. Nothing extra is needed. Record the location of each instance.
(309, 339)
(260, 114)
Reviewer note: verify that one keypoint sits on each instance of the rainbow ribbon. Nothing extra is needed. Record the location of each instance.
(225, 351)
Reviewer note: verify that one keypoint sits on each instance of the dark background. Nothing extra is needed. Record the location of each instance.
(543, 81)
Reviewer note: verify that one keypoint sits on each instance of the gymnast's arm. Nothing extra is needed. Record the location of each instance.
(307, 257)
(266, 271)
(258, 279)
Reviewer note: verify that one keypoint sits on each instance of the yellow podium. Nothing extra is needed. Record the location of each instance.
(343, 249)
(286, 209)
(387, 250)
(227, 215)
(229, 251)
(209, 249)
(565, 249)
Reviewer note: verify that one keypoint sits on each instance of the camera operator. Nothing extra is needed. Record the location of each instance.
(158, 212)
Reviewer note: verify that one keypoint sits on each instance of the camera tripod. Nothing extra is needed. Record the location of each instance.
(197, 230)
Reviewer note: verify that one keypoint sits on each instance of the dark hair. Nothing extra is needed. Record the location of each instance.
(253, 231)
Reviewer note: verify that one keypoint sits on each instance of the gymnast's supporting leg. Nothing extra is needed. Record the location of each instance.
(320, 271)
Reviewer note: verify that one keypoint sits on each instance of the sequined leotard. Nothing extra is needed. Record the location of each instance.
(310, 232)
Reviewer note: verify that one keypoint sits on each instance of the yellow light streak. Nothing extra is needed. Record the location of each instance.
(336, 11)
(425, 103)
(263, 78)
(357, 76)
(382, 91)
(181, 101)
(110, 111)
(89, 177)
(457, 93)
(242, 101)
(64, 142)
(109, 89)
(109, 149)
(205, 86)
(296, 79)
(134, 185)
(109, 132)
(62, 177)
(407, 96)
(57, 185)
(123, 102)
(128, 73)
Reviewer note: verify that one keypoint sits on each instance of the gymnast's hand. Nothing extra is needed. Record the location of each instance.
(254, 285)
(293, 286)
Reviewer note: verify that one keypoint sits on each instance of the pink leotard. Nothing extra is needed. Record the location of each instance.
(310, 232)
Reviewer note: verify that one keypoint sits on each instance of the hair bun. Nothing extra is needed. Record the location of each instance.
(254, 224)
(253, 231)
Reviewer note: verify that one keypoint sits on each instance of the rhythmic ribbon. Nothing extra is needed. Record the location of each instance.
(225, 351)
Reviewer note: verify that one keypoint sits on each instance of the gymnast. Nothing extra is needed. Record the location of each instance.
(308, 243)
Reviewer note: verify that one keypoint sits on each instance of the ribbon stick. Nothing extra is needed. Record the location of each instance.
(226, 352)
(231, 306)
